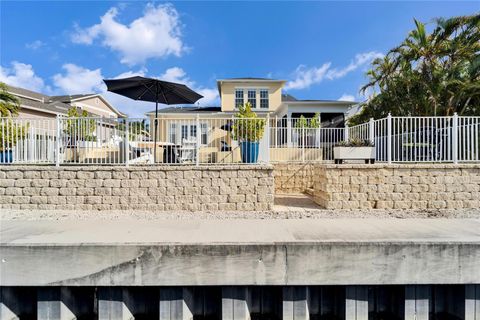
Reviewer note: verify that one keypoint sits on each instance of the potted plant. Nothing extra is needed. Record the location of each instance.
(248, 129)
(354, 149)
(306, 137)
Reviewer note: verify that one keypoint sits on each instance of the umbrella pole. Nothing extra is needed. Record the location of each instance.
(155, 132)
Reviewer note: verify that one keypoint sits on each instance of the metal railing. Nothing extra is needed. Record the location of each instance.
(199, 140)
(422, 139)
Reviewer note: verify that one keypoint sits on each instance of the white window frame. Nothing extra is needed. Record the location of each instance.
(175, 131)
(255, 104)
(236, 98)
(172, 132)
(263, 99)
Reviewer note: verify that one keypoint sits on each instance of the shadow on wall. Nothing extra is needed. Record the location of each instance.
(293, 177)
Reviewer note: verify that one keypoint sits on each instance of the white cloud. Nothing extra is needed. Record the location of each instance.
(346, 97)
(77, 80)
(305, 77)
(156, 34)
(21, 75)
(34, 45)
(359, 60)
(176, 74)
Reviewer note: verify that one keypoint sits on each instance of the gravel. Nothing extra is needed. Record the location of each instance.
(274, 214)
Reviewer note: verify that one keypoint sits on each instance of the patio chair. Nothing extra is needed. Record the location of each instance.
(422, 145)
(188, 151)
(136, 154)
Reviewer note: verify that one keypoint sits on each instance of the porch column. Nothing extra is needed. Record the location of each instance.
(289, 131)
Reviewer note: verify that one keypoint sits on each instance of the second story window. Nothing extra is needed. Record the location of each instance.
(252, 98)
(264, 99)
(238, 97)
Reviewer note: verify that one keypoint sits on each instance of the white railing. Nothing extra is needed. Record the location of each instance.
(300, 140)
(199, 140)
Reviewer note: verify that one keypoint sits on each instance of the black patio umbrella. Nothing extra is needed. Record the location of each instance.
(158, 91)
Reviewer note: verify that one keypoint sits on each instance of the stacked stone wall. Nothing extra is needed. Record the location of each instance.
(397, 186)
(293, 177)
(137, 187)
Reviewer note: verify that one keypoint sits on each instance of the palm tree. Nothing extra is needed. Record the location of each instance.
(9, 104)
(428, 73)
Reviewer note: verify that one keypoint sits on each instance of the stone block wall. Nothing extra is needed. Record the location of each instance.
(293, 177)
(137, 187)
(397, 186)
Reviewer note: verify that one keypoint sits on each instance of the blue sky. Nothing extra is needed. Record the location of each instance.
(321, 48)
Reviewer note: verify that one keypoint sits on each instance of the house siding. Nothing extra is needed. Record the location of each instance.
(228, 94)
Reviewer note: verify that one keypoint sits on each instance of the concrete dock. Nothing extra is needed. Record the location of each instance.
(238, 256)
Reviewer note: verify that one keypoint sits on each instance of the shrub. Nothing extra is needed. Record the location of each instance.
(355, 143)
(246, 125)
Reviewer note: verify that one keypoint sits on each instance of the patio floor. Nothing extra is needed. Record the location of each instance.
(294, 202)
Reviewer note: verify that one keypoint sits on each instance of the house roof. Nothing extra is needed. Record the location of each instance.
(56, 107)
(186, 109)
(21, 92)
(249, 78)
(53, 104)
(73, 97)
(287, 97)
(246, 79)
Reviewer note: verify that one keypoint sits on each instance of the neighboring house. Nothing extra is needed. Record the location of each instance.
(37, 105)
(266, 98)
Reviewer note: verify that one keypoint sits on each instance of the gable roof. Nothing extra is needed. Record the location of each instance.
(80, 97)
(24, 93)
(53, 104)
(73, 97)
(55, 107)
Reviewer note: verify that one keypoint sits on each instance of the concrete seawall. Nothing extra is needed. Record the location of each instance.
(239, 269)
(248, 252)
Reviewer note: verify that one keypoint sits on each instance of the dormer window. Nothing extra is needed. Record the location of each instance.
(238, 97)
(252, 97)
(264, 99)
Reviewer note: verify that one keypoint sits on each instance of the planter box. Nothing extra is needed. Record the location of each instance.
(354, 153)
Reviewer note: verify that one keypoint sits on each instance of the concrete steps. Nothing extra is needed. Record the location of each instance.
(242, 302)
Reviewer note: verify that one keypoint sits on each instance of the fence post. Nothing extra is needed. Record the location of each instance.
(303, 143)
(199, 134)
(126, 142)
(289, 131)
(455, 138)
(346, 134)
(389, 138)
(371, 131)
(267, 153)
(57, 145)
